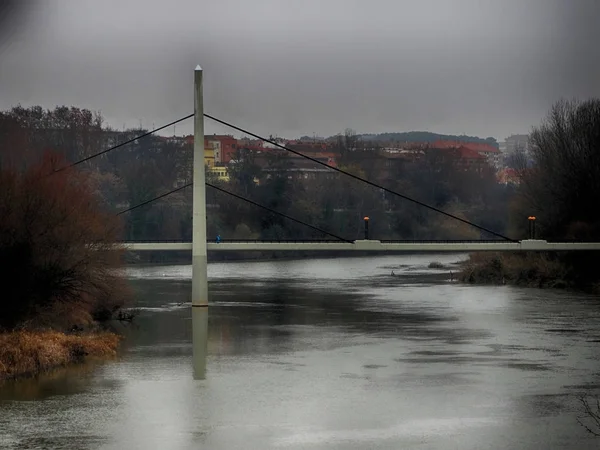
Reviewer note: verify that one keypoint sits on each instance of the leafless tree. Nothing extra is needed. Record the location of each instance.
(563, 183)
(58, 242)
(591, 415)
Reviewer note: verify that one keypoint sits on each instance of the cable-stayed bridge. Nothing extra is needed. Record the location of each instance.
(437, 246)
(200, 245)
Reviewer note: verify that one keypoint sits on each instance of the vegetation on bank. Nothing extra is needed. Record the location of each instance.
(57, 243)
(533, 269)
(560, 187)
(24, 353)
(60, 270)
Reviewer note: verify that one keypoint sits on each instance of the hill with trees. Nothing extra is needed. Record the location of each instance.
(408, 136)
(425, 136)
(154, 165)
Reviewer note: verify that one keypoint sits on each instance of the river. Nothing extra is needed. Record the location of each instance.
(326, 354)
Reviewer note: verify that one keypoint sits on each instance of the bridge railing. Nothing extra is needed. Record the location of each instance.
(235, 241)
(366, 245)
(441, 241)
(324, 241)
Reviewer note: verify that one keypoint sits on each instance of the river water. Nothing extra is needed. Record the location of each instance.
(326, 354)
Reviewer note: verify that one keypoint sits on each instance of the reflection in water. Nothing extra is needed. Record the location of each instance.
(199, 341)
(325, 354)
(64, 380)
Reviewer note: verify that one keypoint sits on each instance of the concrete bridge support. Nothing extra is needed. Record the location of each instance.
(199, 253)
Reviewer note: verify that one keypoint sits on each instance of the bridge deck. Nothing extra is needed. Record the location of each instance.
(370, 245)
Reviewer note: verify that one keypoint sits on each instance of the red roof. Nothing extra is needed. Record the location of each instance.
(468, 153)
(481, 147)
(475, 146)
(219, 137)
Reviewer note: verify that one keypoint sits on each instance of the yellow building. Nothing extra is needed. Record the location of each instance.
(209, 157)
(221, 173)
(215, 167)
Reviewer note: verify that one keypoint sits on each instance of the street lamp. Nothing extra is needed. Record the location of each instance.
(531, 227)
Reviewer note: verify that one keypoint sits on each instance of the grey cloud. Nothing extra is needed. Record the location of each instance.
(14, 15)
(298, 67)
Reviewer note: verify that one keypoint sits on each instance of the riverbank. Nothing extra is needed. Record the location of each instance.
(28, 353)
(533, 269)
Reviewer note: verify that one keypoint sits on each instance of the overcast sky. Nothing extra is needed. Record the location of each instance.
(298, 67)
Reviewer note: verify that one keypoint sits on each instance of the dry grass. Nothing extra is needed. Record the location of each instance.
(524, 269)
(24, 353)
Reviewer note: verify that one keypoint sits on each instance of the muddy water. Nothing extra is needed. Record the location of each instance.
(327, 354)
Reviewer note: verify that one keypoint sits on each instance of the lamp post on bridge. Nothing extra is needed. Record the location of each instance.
(531, 227)
(366, 219)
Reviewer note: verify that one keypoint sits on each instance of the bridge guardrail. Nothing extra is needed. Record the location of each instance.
(235, 241)
(336, 241)
(442, 241)
(324, 241)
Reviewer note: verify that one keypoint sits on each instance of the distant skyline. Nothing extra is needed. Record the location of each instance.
(293, 68)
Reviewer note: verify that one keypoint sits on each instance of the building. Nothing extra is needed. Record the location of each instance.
(470, 154)
(212, 156)
(469, 159)
(213, 150)
(389, 164)
(220, 172)
(517, 141)
(307, 148)
(225, 147)
(213, 164)
(298, 168)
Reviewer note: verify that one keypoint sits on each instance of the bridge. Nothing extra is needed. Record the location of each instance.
(200, 246)
(368, 245)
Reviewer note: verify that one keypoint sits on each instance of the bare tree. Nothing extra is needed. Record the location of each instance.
(591, 415)
(517, 160)
(59, 241)
(564, 182)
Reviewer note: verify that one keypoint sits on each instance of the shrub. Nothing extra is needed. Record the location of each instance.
(24, 352)
(525, 269)
(56, 241)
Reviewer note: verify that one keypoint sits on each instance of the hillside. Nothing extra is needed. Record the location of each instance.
(425, 136)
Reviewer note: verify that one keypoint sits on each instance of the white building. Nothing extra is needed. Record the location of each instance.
(515, 141)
